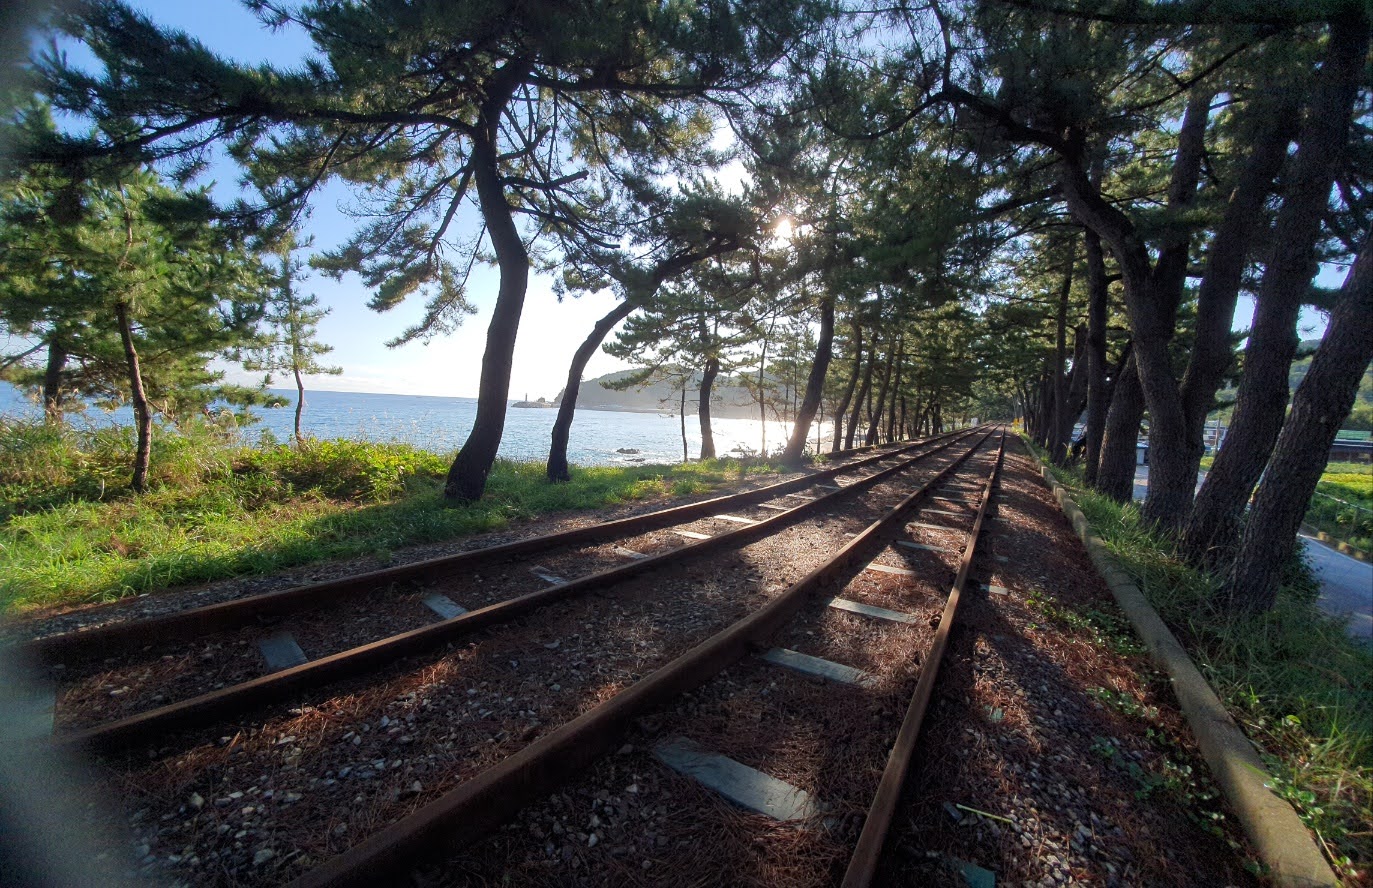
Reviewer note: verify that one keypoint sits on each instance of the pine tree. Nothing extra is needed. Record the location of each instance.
(130, 289)
(291, 319)
(526, 110)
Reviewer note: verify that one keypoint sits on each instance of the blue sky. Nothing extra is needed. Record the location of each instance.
(449, 365)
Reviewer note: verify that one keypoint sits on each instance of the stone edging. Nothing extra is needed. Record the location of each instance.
(1277, 833)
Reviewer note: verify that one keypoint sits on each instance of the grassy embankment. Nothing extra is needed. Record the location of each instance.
(1345, 511)
(71, 532)
(1292, 677)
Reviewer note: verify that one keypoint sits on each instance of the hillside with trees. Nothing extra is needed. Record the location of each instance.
(604, 393)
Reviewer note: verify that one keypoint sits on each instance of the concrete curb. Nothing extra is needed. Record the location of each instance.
(1277, 833)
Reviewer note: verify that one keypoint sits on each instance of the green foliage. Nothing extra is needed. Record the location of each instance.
(1105, 629)
(1343, 504)
(414, 104)
(1292, 677)
(291, 319)
(71, 533)
(343, 470)
(72, 253)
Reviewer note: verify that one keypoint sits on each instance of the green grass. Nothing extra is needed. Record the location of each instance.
(72, 533)
(1343, 506)
(1292, 677)
(1345, 511)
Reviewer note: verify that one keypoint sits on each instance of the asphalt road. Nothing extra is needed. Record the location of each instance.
(1346, 583)
(1346, 586)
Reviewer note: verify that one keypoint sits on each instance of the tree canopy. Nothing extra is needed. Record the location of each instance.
(1046, 209)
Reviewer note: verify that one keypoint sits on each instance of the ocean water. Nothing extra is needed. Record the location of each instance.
(442, 424)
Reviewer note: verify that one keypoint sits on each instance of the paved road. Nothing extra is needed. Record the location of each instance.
(1346, 586)
(1346, 583)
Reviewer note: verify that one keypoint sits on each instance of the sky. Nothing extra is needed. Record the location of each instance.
(449, 365)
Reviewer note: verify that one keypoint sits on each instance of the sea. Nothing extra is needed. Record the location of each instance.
(599, 437)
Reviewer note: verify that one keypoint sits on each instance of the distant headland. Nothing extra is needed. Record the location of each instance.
(728, 401)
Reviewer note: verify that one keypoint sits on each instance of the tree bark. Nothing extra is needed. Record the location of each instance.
(635, 295)
(895, 393)
(686, 458)
(863, 390)
(762, 401)
(1075, 392)
(467, 476)
(852, 383)
(875, 415)
(1322, 403)
(143, 417)
(557, 469)
(1213, 529)
(1153, 291)
(52, 379)
(712, 370)
(1098, 395)
(1226, 258)
(1044, 415)
(1058, 448)
(300, 403)
(1116, 473)
(815, 385)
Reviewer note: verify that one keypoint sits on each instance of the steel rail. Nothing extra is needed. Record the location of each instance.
(267, 689)
(868, 852)
(469, 810)
(200, 621)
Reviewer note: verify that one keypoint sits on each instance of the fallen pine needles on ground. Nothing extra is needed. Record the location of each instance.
(1292, 677)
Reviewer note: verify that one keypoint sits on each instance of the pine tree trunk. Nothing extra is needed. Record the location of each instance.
(1044, 415)
(686, 458)
(762, 401)
(467, 476)
(1153, 291)
(1058, 448)
(1226, 259)
(712, 370)
(143, 417)
(815, 385)
(300, 404)
(557, 469)
(1119, 451)
(1098, 395)
(895, 390)
(1321, 405)
(863, 391)
(1213, 529)
(875, 415)
(52, 379)
(1075, 396)
(843, 405)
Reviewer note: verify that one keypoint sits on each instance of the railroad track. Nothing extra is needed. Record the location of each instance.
(727, 621)
(360, 623)
(124, 637)
(738, 680)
